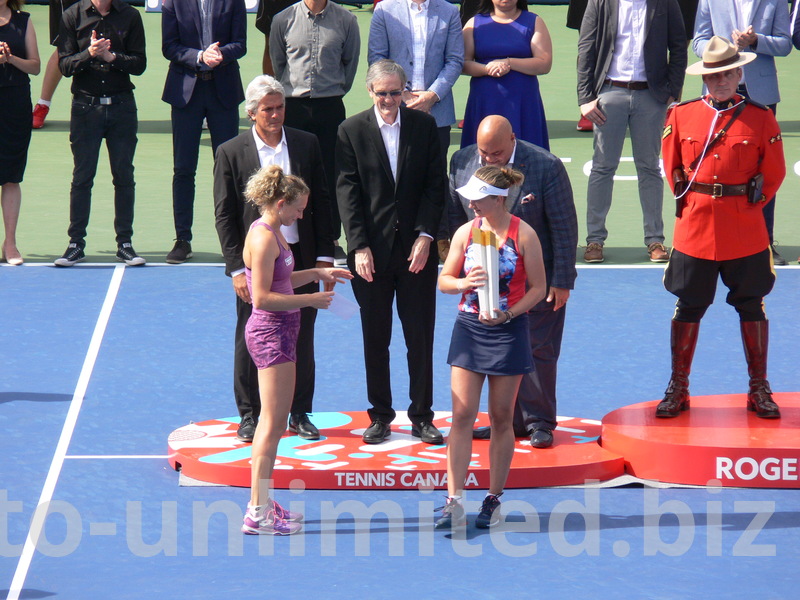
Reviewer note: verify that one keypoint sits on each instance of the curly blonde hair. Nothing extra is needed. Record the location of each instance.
(270, 184)
(500, 177)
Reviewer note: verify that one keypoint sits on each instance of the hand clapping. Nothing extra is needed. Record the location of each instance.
(212, 56)
(100, 47)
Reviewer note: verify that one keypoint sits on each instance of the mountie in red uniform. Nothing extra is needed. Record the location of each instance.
(715, 154)
(724, 227)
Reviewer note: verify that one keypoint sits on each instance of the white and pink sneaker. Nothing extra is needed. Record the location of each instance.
(271, 519)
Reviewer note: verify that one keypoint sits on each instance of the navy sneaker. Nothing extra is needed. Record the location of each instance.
(490, 513)
(453, 515)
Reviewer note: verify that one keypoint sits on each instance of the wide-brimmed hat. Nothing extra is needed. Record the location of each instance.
(720, 55)
(477, 189)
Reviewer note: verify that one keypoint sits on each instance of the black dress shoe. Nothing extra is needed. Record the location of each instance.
(485, 433)
(377, 432)
(777, 259)
(482, 433)
(542, 438)
(304, 428)
(247, 429)
(427, 432)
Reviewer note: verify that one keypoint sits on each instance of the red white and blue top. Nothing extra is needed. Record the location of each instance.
(511, 268)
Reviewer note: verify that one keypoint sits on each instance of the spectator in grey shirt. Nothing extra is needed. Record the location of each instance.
(314, 46)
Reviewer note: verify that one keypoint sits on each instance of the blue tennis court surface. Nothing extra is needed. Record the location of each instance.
(99, 365)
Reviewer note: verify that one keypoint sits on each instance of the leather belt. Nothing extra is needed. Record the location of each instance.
(629, 85)
(717, 190)
(104, 100)
(204, 75)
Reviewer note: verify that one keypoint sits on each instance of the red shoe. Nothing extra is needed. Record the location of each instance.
(39, 113)
(585, 124)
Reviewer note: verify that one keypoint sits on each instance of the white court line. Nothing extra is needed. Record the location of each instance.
(39, 515)
(122, 456)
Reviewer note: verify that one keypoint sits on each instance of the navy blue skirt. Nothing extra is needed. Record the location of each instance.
(500, 350)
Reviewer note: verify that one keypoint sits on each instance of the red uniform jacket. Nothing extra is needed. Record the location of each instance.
(727, 227)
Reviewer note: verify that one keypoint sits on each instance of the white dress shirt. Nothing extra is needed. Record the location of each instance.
(390, 132)
(627, 62)
(418, 13)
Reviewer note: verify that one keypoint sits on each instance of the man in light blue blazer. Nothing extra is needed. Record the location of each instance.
(796, 24)
(762, 27)
(424, 37)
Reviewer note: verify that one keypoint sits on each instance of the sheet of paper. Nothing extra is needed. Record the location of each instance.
(343, 307)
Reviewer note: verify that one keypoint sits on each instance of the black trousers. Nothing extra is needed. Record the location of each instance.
(89, 124)
(187, 129)
(694, 282)
(416, 307)
(536, 400)
(245, 373)
(321, 116)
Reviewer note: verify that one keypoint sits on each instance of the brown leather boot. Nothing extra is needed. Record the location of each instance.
(683, 341)
(755, 337)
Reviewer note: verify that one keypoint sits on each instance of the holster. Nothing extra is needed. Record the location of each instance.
(754, 189)
(679, 185)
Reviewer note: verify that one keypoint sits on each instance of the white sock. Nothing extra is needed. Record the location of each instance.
(258, 510)
(44, 102)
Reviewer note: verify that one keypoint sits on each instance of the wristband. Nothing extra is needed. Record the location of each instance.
(460, 285)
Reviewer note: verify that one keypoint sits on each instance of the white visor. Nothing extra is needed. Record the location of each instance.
(476, 189)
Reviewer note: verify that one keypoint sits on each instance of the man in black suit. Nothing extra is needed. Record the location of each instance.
(203, 42)
(390, 190)
(310, 238)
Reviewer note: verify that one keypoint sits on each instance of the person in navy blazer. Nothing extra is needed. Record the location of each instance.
(766, 33)
(236, 160)
(203, 82)
(545, 202)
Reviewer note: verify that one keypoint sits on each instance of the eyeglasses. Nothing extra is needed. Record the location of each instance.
(393, 93)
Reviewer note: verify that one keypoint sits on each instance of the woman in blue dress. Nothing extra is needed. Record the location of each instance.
(505, 48)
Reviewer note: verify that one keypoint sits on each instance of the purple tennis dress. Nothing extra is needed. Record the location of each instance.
(514, 95)
(271, 336)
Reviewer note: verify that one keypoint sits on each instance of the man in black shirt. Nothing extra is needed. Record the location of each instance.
(100, 45)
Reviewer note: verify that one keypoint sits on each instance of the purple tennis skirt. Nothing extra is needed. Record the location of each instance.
(272, 337)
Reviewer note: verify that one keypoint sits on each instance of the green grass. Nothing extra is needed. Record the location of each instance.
(45, 209)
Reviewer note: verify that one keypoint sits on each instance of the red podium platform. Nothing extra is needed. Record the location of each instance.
(716, 440)
(209, 451)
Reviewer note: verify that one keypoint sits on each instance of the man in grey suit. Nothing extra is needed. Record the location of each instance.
(544, 201)
(760, 27)
(631, 62)
(424, 37)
